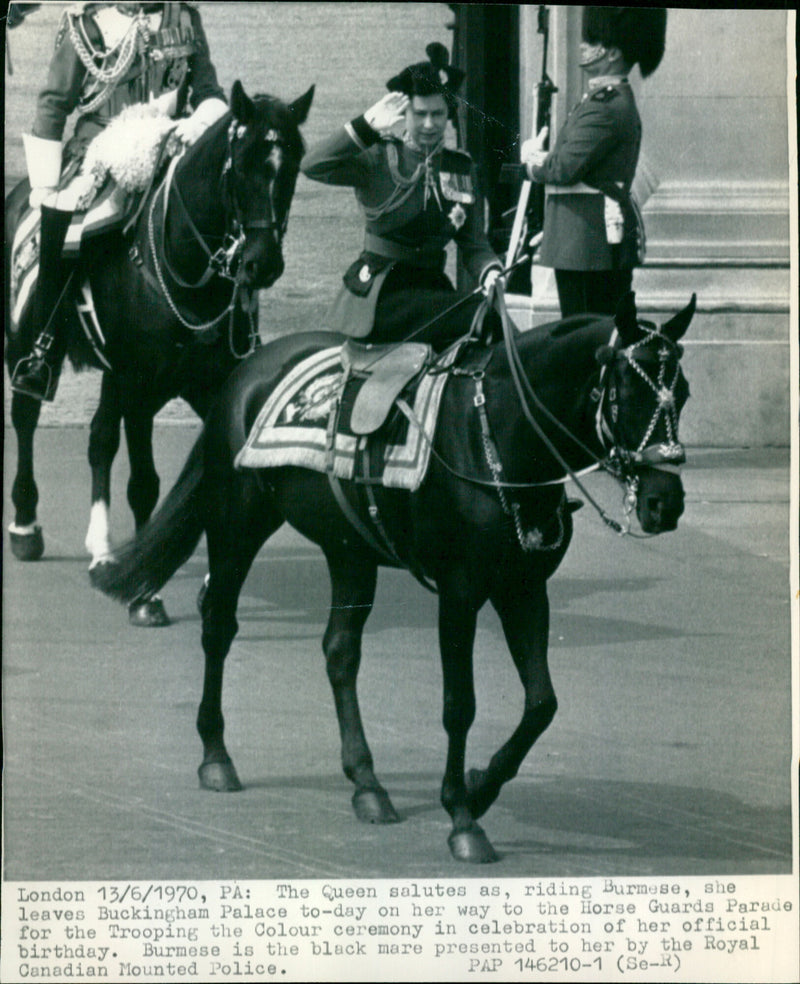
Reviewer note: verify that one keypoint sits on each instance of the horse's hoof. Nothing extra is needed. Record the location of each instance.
(149, 614)
(374, 806)
(472, 846)
(27, 546)
(219, 777)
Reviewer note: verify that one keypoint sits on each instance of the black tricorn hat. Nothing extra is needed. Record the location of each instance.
(435, 77)
(638, 32)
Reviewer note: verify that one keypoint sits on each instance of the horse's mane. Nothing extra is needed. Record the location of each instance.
(574, 323)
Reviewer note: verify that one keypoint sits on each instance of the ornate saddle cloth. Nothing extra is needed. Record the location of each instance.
(307, 421)
(106, 213)
(118, 167)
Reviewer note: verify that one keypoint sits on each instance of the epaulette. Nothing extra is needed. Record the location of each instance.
(73, 11)
(457, 161)
(606, 93)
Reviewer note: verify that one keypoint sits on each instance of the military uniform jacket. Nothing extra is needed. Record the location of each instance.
(598, 146)
(413, 205)
(175, 58)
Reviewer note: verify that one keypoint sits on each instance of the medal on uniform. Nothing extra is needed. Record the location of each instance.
(457, 216)
(364, 274)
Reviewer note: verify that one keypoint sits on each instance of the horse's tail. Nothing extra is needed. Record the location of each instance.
(144, 564)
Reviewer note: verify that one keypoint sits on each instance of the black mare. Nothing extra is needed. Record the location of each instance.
(175, 322)
(548, 401)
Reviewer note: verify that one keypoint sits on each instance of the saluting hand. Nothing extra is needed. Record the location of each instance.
(387, 112)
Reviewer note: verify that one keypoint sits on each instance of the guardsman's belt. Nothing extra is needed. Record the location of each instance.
(432, 259)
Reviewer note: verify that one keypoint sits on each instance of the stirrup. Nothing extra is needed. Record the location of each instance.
(28, 386)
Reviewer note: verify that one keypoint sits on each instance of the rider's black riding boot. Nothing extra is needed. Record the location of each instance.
(37, 374)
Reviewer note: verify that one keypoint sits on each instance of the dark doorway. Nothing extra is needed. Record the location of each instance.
(486, 47)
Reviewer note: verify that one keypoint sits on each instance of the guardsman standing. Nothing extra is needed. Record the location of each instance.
(590, 226)
(417, 196)
(107, 56)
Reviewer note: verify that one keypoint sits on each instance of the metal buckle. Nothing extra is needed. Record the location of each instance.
(222, 261)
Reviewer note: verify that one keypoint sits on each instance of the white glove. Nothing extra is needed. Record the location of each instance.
(43, 159)
(191, 128)
(492, 280)
(532, 151)
(387, 112)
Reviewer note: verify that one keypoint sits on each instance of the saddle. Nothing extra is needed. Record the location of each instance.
(383, 372)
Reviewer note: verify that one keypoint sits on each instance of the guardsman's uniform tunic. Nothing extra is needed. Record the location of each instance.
(596, 152)
(414, 205)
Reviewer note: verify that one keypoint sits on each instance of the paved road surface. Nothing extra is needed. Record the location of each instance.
(670, 753)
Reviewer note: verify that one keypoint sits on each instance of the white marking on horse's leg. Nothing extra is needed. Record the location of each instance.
(98, 541)
(28, 530)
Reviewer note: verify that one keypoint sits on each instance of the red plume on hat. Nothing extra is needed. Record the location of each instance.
(431, 78)
(639, 33)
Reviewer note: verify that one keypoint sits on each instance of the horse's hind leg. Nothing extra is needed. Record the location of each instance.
(353, 582)
(27, 541)
(143, 484)
(143, 489)
(238, 523)
(525, 615)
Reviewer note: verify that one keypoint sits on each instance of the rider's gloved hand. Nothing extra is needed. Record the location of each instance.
(388, 112)
(532, 152)
(43, 158)
(191, 128)
(491, 280)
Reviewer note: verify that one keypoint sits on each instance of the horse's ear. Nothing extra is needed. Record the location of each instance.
(300, 107)
(241, 104)
(625, 319)
(675, 327)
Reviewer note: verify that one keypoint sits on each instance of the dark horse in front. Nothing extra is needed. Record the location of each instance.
(175, 301)
(490, 521)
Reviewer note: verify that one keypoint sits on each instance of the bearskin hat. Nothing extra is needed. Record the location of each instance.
(638, 32)
(435, 77)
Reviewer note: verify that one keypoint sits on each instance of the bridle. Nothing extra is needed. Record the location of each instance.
(618, 461)
(270, 222)
(224, 262)
(664, 456)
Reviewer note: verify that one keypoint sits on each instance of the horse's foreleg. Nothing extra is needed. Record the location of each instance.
(526, 622)
(104, 439)
(27, 541)
(457, 621)
(353, 593)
